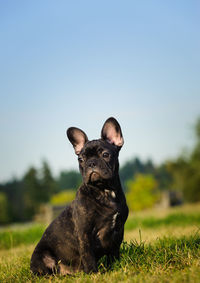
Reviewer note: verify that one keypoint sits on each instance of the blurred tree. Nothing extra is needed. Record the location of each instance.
(149, 167)
(33, 193)
(38, 189)
(191, 187)
(69, 180)
(14, 194)
(4, 218)
(132, 168)
(48, 184)
(185, 171)
(178, 170)
(195, 156)
(163, 176)
(142, 192)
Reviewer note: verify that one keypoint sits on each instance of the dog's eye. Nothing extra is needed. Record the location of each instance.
(80, 159)
(106, 155)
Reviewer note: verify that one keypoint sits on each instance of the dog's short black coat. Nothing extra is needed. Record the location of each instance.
(93, 224)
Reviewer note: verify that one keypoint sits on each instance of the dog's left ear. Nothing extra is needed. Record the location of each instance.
(111, 132)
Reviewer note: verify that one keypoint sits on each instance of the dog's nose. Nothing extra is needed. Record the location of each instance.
(92, 164)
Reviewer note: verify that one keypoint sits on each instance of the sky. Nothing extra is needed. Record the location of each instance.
(76, 63)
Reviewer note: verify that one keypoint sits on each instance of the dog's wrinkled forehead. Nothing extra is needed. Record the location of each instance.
(94, 147)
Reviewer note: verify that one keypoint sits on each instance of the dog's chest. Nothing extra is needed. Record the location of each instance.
(108, 222)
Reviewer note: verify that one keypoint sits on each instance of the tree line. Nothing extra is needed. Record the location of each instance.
(20, 199)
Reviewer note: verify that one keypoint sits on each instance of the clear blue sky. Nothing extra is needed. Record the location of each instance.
(76, 63)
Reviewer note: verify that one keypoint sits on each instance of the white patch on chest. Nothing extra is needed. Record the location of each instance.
(114, 219)
(111, 193)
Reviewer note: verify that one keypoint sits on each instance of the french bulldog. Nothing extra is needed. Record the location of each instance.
(93, 224)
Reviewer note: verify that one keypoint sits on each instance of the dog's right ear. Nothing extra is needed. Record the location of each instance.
(77, 138)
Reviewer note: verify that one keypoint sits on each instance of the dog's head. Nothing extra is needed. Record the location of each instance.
(98, 159)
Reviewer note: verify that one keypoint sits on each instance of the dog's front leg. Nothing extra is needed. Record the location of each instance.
(87, 255)
(83, 227)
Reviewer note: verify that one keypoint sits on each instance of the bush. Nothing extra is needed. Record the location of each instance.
(63, 197)
(3, 208)
(142, 192)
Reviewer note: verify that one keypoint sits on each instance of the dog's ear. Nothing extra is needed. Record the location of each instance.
(77, 138)
(111, 132)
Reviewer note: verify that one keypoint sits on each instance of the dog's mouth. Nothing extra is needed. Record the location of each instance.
(94, 176)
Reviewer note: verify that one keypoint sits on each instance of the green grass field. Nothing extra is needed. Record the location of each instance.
(159, 246)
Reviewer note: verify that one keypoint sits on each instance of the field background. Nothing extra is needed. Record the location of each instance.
(159, 246)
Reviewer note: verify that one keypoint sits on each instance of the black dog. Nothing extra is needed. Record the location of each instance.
(93, 224)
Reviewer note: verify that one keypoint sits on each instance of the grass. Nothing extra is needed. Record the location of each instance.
(164, 258)
(10, 237)
(175, 219)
